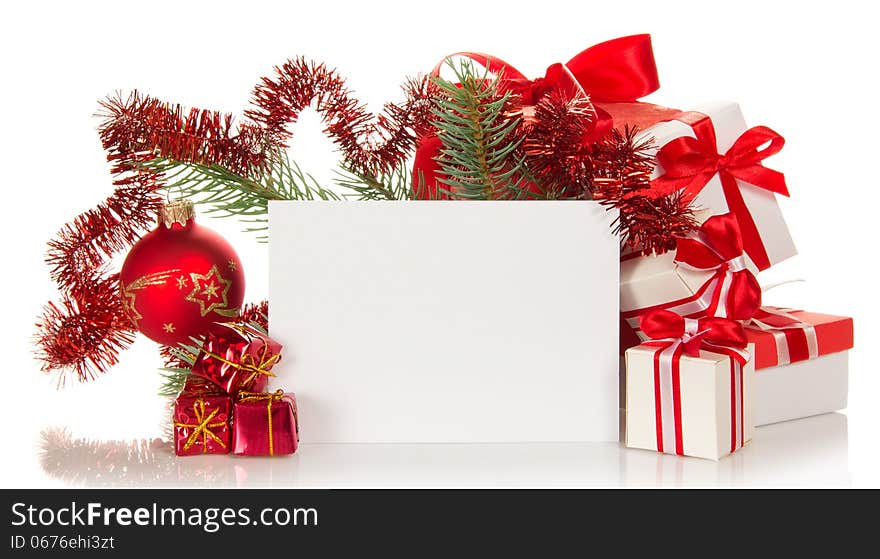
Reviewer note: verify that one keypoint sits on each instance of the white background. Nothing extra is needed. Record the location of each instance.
(809, 73)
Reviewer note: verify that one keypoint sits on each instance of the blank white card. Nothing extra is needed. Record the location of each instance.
(436, 321)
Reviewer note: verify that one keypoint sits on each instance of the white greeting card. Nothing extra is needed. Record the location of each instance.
(447, 321)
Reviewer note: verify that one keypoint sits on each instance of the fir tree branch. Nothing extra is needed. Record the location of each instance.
(231, 194)
(396, 185)
(480, 157)
(173, 378)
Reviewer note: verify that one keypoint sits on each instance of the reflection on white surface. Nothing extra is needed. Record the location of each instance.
(812, 451)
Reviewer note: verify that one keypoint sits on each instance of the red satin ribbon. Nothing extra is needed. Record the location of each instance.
(690, 163)
(798, 338)
(695, 333)
(718, 245)
(673, 336)
(619, 70)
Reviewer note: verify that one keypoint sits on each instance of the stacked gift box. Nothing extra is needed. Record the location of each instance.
(706, 360)
(224, 407)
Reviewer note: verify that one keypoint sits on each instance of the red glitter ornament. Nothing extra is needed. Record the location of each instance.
(180, 278)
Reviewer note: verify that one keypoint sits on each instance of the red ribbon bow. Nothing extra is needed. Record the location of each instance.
(619, 70)
(718, 245)
(690, 163)
(709, 333)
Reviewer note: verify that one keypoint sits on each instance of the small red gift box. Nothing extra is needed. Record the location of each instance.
(266, 424)
(237, 357)
(201, 424)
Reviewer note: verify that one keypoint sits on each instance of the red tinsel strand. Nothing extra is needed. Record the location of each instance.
(255, 313)
(369, 144)
(651, 225)
(83, 245)
(554, 144)
(83, 335)
(141, 126)
(623, 164)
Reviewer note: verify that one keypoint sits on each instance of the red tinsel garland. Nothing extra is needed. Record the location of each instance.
(369, 144)
(646, 223)
(85, 332)
(554, 144)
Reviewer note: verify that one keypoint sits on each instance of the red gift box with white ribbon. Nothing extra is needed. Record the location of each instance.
(801, 361)
(785, 336)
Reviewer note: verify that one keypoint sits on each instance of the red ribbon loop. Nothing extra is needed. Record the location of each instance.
(718, 246)
(619, 70)
(690, 163)
(710, 333)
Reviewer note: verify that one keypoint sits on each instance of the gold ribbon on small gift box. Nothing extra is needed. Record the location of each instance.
(250, 364)
(269, 398)
(202, 427)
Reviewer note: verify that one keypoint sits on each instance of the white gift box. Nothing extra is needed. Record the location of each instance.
(802, 389)
(651, 281)
(705, 396)
(437, 321)
(656, 281)
(729, 124)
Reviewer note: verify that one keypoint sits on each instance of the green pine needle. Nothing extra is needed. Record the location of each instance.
(230, 194)
(173, 379)
(480, 157)
(396, 185)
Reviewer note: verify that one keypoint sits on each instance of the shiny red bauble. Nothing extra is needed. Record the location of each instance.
(180, 278)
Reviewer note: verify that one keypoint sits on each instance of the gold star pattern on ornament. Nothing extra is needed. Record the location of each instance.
(181, 282)
(210, 292)
(129, 297)
(168, 327)
(231, 265)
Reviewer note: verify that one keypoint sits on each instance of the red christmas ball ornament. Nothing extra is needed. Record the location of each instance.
(180, 278)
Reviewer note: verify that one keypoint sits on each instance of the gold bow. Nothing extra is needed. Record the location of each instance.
(250, 364)
(269, 398)
(203, 427)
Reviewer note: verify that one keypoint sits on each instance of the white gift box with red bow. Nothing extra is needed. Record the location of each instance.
(689, 391)
(766, 234)
(705, 409)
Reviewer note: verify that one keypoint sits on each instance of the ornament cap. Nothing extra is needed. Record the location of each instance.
(176, 211)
